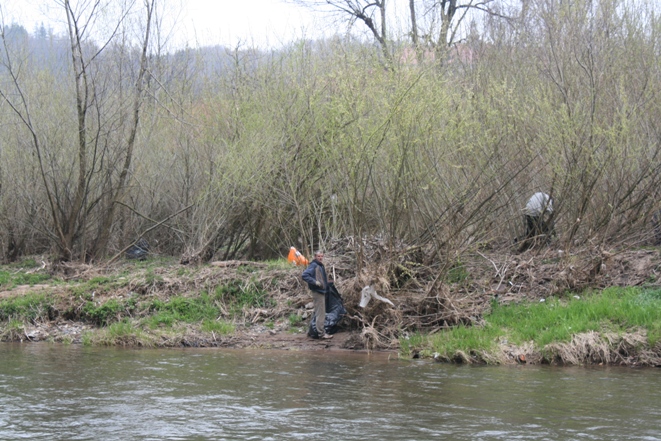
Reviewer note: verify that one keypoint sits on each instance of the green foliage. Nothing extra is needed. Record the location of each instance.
(27, 263)
(152, 278)
(29, 307)
(182, 272)
(238, 294)
(182, 309)
(295, 320)
(278, 264)
(120, 333)
(104, 313)
(218, 326)
(100, 284)
(87, 338)
(457, 273)
(99, 281)
(10, 280)
(408, 344)
(122, 329)
(614, 309)
(466, 339)
(12, 330)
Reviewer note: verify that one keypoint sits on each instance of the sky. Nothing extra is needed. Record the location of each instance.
(263, 23)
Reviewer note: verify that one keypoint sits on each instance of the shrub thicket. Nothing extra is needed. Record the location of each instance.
(247, 153)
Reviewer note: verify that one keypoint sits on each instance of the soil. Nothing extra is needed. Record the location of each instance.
(257, 337)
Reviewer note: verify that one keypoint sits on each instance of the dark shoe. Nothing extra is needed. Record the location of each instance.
(326, 336)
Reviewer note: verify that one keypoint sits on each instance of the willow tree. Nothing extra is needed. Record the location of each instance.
(84, 150)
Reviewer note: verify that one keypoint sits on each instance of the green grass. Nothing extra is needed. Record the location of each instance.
(218, 326)
(413, 343)
(29, 307)
(182, 309)
(87, 338)
(13, 330)
(295, 320)
(457, 273)
(280, 264)
(123, 329)
(239, 294)
(556, 320)
(121, 333)
(27, 263)
(9, 280)
(233, 297)
(99, 284)
(105, 313)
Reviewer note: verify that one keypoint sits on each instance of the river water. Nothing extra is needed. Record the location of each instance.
(56, 392)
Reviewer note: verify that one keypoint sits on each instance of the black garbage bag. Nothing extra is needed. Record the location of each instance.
(334, 312)
(139, 250)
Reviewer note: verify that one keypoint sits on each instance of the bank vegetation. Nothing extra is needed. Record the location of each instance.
(415, 162)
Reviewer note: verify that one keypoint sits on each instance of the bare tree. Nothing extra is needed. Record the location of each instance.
(99, 246)
(371, 13)
(74, 193)
(433, 24)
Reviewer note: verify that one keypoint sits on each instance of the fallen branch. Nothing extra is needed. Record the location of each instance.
(147, 231)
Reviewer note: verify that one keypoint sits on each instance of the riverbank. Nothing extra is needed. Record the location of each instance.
(238, 304)
(160, 303)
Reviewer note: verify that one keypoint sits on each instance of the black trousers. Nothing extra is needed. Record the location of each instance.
(537, 226)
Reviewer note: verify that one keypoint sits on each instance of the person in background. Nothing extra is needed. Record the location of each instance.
(315, 276)
(656, 225)
(539, 216)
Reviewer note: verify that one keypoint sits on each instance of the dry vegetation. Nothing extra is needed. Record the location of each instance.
(319, 141)
(411, 171)
(427, 298)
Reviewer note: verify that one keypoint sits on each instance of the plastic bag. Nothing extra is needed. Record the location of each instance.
(334, 312)
(367, 293)
(297, 258)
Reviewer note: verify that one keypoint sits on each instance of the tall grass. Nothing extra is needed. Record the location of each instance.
(239, 294)
(121, 333)
(229, 300)
(182, 309)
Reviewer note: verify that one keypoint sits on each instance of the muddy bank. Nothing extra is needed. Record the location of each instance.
(255, 337)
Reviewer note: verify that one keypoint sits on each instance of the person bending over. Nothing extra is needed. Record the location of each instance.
(539, 216)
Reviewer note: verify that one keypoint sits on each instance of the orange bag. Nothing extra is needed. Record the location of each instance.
(297, 258)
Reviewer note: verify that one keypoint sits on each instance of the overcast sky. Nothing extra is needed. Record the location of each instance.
(200, 22)
(266, 22)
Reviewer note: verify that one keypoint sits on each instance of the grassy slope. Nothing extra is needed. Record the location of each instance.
(554, 330)
(152, 303)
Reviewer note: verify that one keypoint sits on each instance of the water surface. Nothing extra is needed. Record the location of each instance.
(55, 392)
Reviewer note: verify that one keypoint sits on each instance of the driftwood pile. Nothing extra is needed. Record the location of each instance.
(430, 294)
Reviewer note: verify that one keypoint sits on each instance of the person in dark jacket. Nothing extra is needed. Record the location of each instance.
(315, 276)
